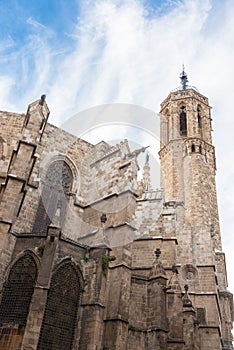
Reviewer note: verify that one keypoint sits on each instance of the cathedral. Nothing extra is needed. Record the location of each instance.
(91, 257)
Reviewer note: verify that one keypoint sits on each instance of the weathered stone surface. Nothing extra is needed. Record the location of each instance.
(103, 227)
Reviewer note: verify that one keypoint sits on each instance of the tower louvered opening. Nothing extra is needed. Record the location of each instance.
(183, 122)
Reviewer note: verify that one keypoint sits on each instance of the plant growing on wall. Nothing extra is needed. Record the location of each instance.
(41, 249)
(86, 257)
(105, 263)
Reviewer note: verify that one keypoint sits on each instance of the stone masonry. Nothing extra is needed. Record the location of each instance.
(91, 258)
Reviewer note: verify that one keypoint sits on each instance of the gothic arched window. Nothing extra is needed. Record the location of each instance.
(17, 291)
(183, 121)
(53, 201)
(60, 317)
(199, 116)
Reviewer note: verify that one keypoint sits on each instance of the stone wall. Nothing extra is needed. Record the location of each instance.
(146, 266)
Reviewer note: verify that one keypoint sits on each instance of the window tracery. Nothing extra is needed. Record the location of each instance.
(18, 290)
(60, 315)
(53, 200)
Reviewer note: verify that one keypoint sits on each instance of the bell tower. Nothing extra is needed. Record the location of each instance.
(188, 168)
(188, 157)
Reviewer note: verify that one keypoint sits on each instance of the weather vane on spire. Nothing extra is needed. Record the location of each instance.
(184, 82)
(184, 79)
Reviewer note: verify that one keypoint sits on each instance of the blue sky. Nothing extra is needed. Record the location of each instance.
(40, 39)
(28, 26)
(87, 53)
(58, 15)
(49, 26)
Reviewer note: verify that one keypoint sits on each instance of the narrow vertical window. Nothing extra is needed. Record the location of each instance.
(2, 144)
(53, 201)
(201, 315)
(1, 149)
(199, 117)
(183, 121)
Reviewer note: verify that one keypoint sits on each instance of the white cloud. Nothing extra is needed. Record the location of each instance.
(122, 55)
(6, 84)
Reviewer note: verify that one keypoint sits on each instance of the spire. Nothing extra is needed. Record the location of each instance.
(184, 82)
(186, 300)
(146, 174)
(184, 79)
(147, 158)
(157, 268)
(173, 282)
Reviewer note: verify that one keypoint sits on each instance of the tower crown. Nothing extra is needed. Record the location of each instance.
(184, 82)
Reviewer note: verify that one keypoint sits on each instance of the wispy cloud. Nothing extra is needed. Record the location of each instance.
(6, 85)
(120, 53)
(7, 43)
(123, 55)
(36, 24)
